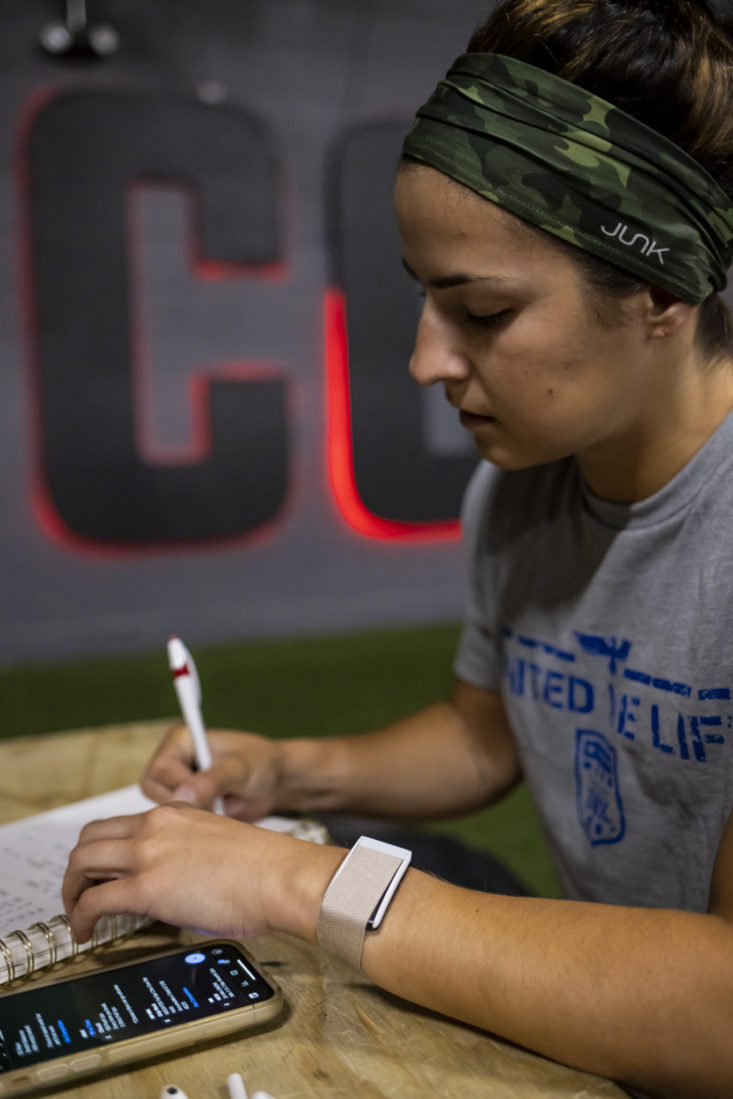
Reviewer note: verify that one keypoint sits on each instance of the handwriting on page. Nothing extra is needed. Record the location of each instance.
(34, 853)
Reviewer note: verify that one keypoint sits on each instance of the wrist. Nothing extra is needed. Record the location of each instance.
(292, 889)
(359, 895)
(313, 773)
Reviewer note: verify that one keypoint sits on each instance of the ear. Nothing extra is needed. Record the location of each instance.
(667, 315)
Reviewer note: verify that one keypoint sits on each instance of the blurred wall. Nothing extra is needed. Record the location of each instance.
(206, 424)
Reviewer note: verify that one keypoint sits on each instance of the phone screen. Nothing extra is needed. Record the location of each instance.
(110, 1006)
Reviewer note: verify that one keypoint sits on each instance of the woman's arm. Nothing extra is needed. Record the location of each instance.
(641, 995)
(448, 759)
(644, 996)
(451, 758)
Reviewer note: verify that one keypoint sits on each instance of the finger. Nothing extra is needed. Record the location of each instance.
(111, 898)
(237, 807)
(247, 810)
(228, 774)
(200, 789)
(103, 858)
(110, 828)
(92, 862)
(223, 780)
(172, 763)
(162, 790)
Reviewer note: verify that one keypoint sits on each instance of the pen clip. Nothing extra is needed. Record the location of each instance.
(182, 664)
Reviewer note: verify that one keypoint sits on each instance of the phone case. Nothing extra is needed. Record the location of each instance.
(25, 1079)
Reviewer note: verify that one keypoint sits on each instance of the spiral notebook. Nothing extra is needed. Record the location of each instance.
(34, 933)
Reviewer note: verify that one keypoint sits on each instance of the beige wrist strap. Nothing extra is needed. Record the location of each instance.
(359, 895)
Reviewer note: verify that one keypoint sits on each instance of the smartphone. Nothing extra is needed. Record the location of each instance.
(62, 1030)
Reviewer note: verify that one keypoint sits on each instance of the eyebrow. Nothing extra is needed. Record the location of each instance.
(460, 278)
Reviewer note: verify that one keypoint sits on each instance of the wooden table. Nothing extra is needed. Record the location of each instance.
(340, 1038)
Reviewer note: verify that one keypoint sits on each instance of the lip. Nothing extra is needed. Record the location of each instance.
(472, 420)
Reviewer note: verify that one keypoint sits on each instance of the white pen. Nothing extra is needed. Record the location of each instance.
(170, 1091)
(188, 689)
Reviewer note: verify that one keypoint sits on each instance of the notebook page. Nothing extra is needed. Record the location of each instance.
(34, 853)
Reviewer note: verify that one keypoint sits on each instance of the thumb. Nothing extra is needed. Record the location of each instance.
(200, 789)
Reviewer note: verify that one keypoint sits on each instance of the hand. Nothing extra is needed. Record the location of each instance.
(196, 870)
(174, 863)
(246, 771)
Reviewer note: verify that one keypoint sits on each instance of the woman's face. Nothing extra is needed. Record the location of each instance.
(509, 330)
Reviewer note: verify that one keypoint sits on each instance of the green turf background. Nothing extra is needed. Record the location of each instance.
(301, 687)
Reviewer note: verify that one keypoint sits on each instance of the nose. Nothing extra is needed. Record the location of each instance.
(436, 356)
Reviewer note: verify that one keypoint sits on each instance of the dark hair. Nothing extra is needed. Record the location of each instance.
(668, 63)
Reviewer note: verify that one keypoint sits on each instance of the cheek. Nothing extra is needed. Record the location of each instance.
(538, 376)
(552, 362)
(552, 393)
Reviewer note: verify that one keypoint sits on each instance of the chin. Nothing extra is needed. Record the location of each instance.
(514, 460)
(503, 458)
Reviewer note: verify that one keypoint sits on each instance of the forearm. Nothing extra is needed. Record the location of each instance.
(433, 763)
(644, 996)
(640, 995)
(448, 759)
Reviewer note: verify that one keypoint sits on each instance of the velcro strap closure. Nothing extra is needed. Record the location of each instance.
(353, 895)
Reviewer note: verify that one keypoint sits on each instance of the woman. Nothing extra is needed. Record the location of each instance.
(570, 255)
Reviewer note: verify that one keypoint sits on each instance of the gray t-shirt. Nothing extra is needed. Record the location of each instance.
(608, 630)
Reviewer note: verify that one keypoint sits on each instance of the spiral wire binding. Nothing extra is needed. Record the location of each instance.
(56, 940)
(50, 939)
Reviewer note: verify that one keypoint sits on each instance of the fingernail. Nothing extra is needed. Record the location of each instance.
(185, 793)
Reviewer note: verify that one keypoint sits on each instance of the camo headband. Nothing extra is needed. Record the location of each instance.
(580, 168)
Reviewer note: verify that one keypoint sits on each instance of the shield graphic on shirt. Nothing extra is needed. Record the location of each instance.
(597, 795)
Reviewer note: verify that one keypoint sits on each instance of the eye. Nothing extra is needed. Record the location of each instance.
(489, 320)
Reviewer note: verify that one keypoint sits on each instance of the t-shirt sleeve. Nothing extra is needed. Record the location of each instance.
(477, 658)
